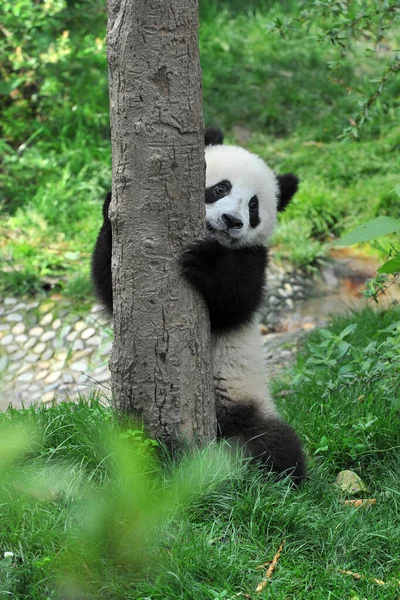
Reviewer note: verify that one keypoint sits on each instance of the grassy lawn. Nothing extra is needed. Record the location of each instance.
(84, 506)
(276, 96)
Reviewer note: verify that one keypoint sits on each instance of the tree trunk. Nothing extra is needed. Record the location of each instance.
(161, 361)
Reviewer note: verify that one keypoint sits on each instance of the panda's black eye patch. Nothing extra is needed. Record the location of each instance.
(218, 191)
(254, 217)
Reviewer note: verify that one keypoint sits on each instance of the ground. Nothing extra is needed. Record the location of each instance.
(201, 530)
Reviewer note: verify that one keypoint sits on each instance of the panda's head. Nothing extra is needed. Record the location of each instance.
(243, 195)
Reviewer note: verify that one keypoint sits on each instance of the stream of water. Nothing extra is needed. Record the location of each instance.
(343, 279)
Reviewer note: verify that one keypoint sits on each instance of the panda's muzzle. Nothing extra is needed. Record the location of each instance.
(231, 221)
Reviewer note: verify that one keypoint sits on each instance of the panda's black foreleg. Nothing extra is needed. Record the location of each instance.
(268, 440)
(101, 260)
(231, 280)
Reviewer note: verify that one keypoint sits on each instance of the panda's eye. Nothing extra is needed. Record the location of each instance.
(253, 204)
(222, 189)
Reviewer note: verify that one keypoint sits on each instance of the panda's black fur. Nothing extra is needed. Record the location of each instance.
(228, 266)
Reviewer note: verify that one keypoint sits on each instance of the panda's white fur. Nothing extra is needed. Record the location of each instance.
(238, 363)
(239, 369)
(250, 176)
(243, 196)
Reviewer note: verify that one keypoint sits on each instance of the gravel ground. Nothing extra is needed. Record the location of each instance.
(48, 350)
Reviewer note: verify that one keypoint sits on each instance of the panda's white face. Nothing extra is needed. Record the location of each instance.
(241, 197)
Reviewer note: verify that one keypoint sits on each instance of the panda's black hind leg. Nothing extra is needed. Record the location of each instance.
(268, 440)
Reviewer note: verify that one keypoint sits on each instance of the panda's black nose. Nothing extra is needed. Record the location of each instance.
(232, 222)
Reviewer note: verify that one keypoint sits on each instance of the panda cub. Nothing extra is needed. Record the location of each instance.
(228, 267)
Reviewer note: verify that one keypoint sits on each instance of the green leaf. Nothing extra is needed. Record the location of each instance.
(391, 328)
(343, 348)
(391, 266)
(6, 87)
(369, 231)
(347, 331)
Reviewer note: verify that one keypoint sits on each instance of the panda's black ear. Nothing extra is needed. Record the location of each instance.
(213, 136)
(288, 185)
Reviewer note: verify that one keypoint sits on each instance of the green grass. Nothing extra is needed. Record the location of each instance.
(207, 544)
(276, 96)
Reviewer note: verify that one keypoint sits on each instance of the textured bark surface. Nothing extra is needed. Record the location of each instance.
(161, 363)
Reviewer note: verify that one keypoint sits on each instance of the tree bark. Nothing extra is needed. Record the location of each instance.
(161, 360)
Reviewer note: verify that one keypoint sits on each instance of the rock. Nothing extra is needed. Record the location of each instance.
(94, 341)
(289, 303)
(10, 301)
(46, 307)
(20, 306)
(41, 375)
(6, 340)
(71, 336)
(32, 358)
(87, 333)
(52, 387)
(39, 348)
(25, 367)
(65, 331)
(102, 377)
(19, 355)
(46, 320)
(14, 318)
(18, 328)
(100, 369)
(79, 326)
(273, 300)
(56, 324)
(3, 363)
(80, 365)
(288, 288)
(25, 377)
(48, 398)
(82, 353)
(34, 388)
(96, 308)
(107, 348)
(21, 339)
(47, 336)
(48, 354)
(36, 331)
(57, 365)
(67, 378)
(30, 343)
(5, 326)
(77, 345)
(32, 305)
(44, 364)
(12, 348)
(52, 378)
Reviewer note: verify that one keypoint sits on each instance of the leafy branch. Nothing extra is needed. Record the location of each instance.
(343, 24)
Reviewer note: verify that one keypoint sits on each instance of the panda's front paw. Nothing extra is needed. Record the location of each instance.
(200, 256)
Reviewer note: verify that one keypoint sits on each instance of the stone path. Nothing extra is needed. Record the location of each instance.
(49, 350)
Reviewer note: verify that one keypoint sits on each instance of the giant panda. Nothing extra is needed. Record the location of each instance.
(228, 267)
